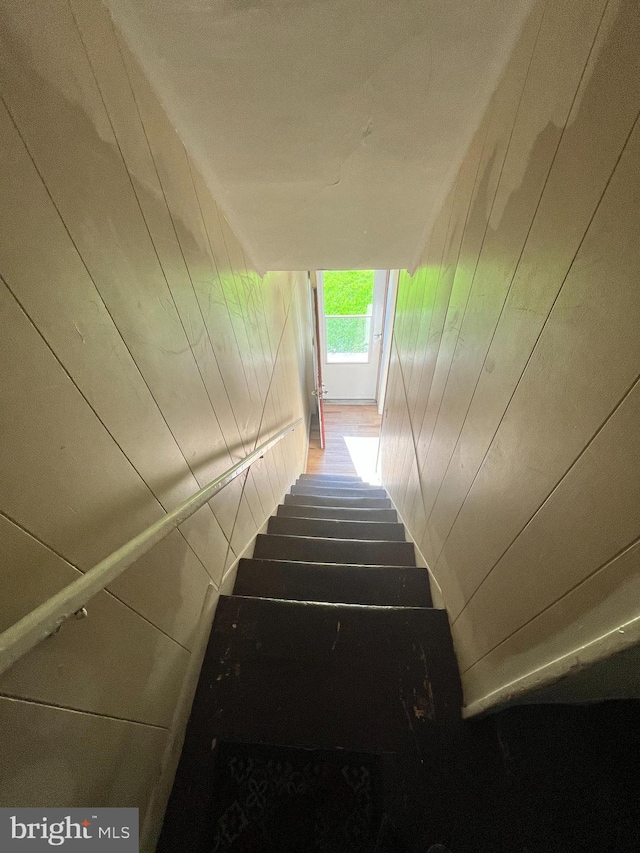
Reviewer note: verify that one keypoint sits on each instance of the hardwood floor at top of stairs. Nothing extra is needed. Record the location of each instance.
(340, 422)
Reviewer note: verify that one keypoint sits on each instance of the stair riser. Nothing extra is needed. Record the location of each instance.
(276, 547)
(336, 529)
(323, 500)
(339, 493)
(299, 511)
(334, 484)
(330, 477)
(373, 585)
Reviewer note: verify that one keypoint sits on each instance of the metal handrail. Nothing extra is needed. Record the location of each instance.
(47, 618)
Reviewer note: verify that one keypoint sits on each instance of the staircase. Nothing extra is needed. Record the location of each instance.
(329, 642)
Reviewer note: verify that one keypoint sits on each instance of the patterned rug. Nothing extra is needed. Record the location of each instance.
(274, 799)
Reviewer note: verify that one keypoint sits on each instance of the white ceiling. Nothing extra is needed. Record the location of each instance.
(328, 130)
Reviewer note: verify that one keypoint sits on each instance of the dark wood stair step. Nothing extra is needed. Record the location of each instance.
(345, 513)
(333, 528)
(323, 500)
(398, 586)
(322, 491)
(272, 546)
(377, 679)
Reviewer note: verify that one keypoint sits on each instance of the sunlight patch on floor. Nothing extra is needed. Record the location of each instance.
(364, 456)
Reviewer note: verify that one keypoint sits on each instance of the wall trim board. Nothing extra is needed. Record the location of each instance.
(307, 440)
(390, 299)
(619, 639)
(228, 579)
(595, 651)
(152, 826)
(436, 592)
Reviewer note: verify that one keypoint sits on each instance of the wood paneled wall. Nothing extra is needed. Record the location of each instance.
(140, 356)
(511, 439)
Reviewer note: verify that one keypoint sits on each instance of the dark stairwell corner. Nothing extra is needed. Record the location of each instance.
(328, 713)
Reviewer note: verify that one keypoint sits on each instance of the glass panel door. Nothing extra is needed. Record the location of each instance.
(351, 311)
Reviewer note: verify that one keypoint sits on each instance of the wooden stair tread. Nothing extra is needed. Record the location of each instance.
(326, 491)
(327, 676)
(397, 586)
(330, 477)
(353, 513)
(358, 551)
(336, 528)
(335, 483)
(334, 501)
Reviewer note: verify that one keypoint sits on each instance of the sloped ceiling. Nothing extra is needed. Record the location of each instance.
(329, 130)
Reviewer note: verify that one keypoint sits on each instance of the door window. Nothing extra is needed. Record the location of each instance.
(348, 305)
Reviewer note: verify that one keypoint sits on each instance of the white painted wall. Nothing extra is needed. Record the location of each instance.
(511, 445)
(329, 130)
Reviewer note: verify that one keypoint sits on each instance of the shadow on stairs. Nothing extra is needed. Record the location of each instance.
(327, 714)
(328, 657)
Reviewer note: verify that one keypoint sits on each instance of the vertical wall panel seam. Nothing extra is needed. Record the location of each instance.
(553, 490)
(504, 160)
(36, 538)
(240, 304)
(217, 271)
(147, 228)
(110, 317)
(71, 710)
(173, 226)
(275, 363)
(581, 582)
(517, 266)
(577, 252)
(435, 296)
